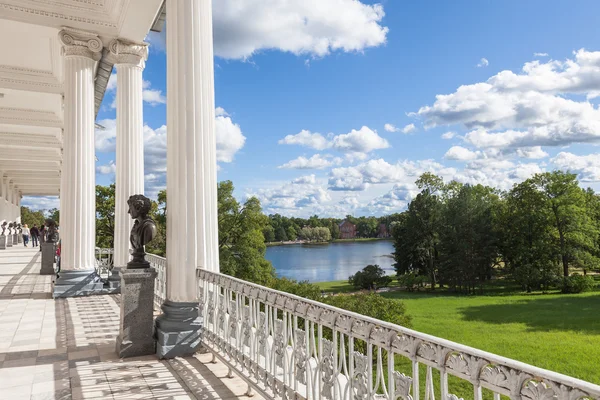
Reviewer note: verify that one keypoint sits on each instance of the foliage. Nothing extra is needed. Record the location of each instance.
(303, 289)
(372, 305)
(105, 216)
(371, 277)
(411, 282)
(317, 234)
(31, 217)
(241, 241)
(577, 284)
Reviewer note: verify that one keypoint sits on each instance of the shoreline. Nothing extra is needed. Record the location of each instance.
(289, 242)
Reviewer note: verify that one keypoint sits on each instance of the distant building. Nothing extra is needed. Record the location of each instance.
(382, 231)
(347, 230)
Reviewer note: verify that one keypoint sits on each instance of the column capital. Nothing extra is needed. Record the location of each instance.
(79, 43)
(127, 52)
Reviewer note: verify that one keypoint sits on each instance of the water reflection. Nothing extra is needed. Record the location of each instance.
(336, 261)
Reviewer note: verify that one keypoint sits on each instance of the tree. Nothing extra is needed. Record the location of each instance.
(241, 241)
(371, 277)
(416, 236)
(54, 214)
(280, 234)
(31, 217)
(105, 216)
(576, 232)
(468, 240)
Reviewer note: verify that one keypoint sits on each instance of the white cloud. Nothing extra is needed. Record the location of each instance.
(153, 97)
(363, 140)
(308, 139)
(357, 143)
(391, 128)
(230, 139)
(586, 167)
(534, 153)
(531, 108)
(107, 169)
(305, 180)
(41, 202)
(540, 54)
(460, 153)
(410, 128)
(291, 198)
(105, 138)
(315, 162)
(483, 63)
(395, 200)
(112, 82)
(302, 27)
(448, 135)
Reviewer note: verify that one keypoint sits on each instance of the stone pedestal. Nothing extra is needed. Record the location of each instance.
(48, 251)
(114, 280)
(2, 241)
(9, 240)
(19, 238)
(137, 309)
(178, 330)
(15, 238)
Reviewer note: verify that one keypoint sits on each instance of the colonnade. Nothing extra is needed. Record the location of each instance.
(10, 200)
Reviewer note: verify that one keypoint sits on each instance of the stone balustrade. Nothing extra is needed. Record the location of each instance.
(288, 347)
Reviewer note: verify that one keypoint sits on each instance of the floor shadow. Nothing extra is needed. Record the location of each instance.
(556, 313)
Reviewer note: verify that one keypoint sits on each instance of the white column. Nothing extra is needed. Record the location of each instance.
(2, 198)
(11, 201)
(18, 207)
(130, 60)
(192, 239)
(81, 50)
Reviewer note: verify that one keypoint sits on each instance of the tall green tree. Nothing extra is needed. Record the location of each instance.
(241, 241)
(31, 217)
(105, 216)
(574, 228)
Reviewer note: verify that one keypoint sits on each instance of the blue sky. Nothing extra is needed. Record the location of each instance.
(305, 88)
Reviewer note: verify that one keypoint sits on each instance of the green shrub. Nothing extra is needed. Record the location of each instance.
(412, 281)
(302, 288)
(372, 277)
(372, 305)
(577, 284)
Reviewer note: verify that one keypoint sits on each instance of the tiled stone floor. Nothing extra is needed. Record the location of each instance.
(64, 349)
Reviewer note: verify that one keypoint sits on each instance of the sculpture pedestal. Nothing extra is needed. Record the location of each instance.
(48, 251)
(2, 242)
(15, 238)
(19, 238)
(114, 280)
(178, 330)
(9, 240)
(137, 313)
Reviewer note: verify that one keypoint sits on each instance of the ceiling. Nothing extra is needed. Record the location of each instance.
(31, 77)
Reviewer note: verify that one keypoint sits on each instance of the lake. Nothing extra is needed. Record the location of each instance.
(331, 262)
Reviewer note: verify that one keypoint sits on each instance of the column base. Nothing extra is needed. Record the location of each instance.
(114, 279)
(2, 242)
(78, 283)
(178, 330)
(48, 251)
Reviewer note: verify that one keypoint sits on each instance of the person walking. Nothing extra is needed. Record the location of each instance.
(25, 234)
(35, 236)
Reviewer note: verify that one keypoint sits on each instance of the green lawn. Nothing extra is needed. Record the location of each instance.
(552, 331)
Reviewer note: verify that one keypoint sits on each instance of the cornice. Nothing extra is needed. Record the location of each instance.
(127, 52)
(79, 43)
(57, 15)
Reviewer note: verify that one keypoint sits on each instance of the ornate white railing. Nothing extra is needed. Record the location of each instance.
(289, 347)
(160, 283)
(104, 261)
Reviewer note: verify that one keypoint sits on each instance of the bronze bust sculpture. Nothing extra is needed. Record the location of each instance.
(51, 237)
(142, 232)
(4, 224)
(10, 228)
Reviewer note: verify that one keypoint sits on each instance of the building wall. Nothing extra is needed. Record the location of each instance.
(347, 230)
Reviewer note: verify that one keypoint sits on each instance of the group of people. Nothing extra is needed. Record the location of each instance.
(36, 234)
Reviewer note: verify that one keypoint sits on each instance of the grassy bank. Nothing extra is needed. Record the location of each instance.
(552, 331)
(359, 240)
